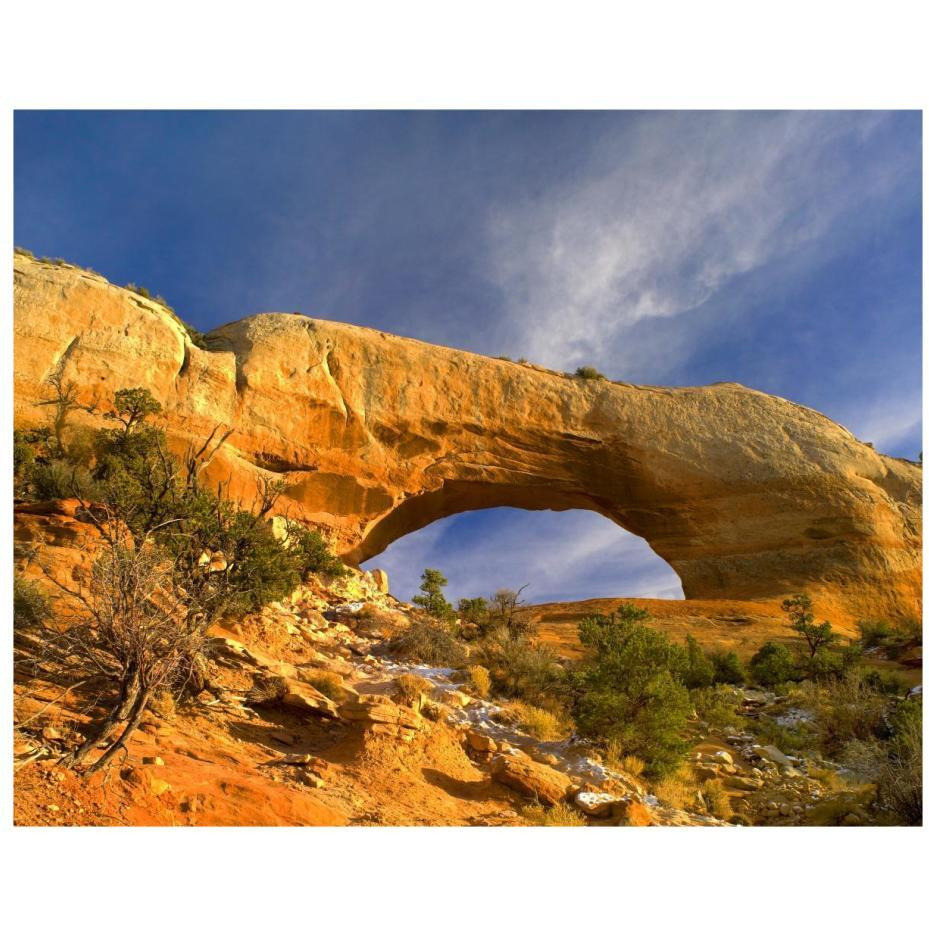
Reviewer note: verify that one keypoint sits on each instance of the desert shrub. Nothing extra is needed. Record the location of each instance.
(900, 778)
(773, 664)
(832, 663)
(875, 632)
(328, 683)
(141, 291)
(408, 687)
(432, 600)
(541, 724)
(589, 373)
(266, 689)
(717, 706)
(727, 668)
(629, 689)
(716, 800)
(429, 641)
(162, 703)
(521, 669)
(558, 815)
(848, 710)
(792, 740)
(59, 479)
(632, 764)
(479, 680)
(698, 670)
(313, 552)
(18, 250)
(677, 789)
(473, 610)
(885, 683)
(31, 607)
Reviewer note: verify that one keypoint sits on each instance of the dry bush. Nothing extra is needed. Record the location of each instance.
(431, 642)
(479, 680)
(328, 683)
(632, 764)
(558, 815)
(539, 723)
(409, 687)
(162, 704)
(717, 800)
(678, 790)
(267, 689)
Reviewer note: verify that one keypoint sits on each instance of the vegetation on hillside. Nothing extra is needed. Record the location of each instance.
(172, 557)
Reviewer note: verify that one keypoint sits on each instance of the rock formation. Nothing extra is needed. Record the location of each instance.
(745, 495)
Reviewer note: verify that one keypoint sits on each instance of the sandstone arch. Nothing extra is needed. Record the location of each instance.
(745, 495)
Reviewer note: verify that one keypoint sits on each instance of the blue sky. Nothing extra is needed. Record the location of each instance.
(779, 250)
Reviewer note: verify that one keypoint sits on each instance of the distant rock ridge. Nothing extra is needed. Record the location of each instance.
(747, 496)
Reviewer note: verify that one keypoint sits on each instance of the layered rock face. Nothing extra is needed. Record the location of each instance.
(745, 495)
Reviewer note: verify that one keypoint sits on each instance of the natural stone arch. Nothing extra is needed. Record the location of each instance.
(745, 495)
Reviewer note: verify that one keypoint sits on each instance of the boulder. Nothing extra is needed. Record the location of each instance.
(530, 779)
(772, 753)
(632, 812)
(595, 804)
(480, 742)
(743, 783)
(371, 709)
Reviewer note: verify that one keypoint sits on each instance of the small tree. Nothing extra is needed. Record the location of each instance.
(506, 611)
(629, 690)
(589, 373)
(432, 600)
(799, 610)
(699, 670)
(63, 401)
(133, 405)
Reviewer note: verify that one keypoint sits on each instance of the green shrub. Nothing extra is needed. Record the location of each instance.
(717, 706)
(629, 690)
(875, 632)
(430, 642)
(31, 607)
(773, 664)
(313, 553)
(59, 479)
(589, 373)
(698, 670)
(847, 710)
(727, 668)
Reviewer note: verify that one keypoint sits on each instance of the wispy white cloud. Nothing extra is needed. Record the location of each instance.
(663, 215)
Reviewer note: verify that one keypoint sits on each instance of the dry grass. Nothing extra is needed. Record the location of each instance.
(539, 723)
(558, 815)
(678, 790)
(717, 800)
(409, 687)
(328, 683)
(479, 680)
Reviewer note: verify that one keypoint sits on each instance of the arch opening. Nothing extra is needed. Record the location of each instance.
(562, 556)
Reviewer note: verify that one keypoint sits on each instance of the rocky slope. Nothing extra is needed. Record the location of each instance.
(747, 496)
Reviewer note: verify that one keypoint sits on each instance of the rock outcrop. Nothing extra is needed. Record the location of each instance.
(745, 495)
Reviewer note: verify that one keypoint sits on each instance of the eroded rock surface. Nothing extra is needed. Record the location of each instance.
(745, 495)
